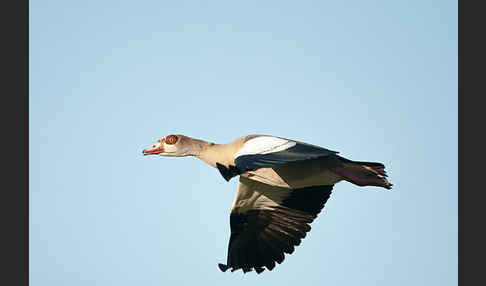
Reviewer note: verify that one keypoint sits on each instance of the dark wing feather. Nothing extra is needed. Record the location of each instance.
(298, 152)
(262, 230)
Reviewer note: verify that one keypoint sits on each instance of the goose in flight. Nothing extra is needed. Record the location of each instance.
(283, 186)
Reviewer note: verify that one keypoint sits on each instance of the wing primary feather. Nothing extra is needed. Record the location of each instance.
(277, 252)
(223, 267)
(264, 229)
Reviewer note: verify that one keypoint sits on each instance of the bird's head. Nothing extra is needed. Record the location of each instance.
(170, 146)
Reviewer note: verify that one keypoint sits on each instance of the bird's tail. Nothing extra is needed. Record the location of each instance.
(363, 173)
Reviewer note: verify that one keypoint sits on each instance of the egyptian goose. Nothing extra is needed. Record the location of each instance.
(283, 186)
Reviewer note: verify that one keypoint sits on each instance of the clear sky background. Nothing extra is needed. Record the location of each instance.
(374, 80)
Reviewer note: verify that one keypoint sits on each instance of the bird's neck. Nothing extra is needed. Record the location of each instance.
(212, 153)
(201, 149)
(209, 153)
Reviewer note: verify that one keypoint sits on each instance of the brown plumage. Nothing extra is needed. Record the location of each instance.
(283, 186)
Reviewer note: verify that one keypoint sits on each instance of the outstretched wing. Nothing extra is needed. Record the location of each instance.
(267, 222)
(268, 151)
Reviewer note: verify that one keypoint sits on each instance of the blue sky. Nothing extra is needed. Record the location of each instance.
(374, 80)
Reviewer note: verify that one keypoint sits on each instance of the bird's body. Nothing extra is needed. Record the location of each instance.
(313, 172)
(283, 185)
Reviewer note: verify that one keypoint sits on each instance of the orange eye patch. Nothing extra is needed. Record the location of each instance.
(171, 139)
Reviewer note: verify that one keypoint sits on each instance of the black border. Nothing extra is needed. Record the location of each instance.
(15, 143)
(470, 144)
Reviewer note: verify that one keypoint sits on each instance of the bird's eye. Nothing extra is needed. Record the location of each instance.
(171, 139)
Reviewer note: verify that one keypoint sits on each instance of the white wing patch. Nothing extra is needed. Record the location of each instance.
(264, 145)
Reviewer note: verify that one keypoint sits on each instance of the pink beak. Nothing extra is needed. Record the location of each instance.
(153, 150)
